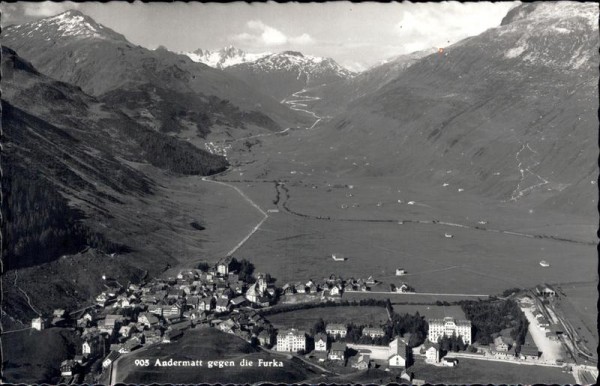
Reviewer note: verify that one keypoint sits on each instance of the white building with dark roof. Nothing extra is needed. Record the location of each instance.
(448, 327)
(291, 340)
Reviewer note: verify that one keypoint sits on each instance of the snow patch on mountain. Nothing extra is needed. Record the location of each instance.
(225, 57)
(69, 24)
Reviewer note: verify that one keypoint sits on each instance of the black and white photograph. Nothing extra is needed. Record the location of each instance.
(299, 193)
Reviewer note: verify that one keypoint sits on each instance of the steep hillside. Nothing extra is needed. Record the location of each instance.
(335, 96)
(280, 75)
(61, 147)
(167, 90)
(510, 114)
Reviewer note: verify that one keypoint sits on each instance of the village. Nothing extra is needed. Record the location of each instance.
(228, 297)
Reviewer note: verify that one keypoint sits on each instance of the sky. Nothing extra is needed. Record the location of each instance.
(356, 35)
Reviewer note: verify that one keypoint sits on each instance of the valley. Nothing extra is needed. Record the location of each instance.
(225, 185)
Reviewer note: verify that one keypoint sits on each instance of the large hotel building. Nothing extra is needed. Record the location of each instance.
(448, 326)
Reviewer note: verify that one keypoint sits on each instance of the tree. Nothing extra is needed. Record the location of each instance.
(318, 327)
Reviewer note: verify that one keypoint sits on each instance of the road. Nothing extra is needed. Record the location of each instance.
(299, 101)
(417, 293)
(24, 294)
(264, 214)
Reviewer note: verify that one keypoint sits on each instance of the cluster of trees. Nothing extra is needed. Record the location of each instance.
(415, 324)
(39, 226)
(451, 343)
(244, 268)
(489, 317)
(177, 156)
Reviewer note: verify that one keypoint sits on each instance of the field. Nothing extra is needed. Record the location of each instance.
(208, 345)
(472, 371)
(473, 262)
(305, 319)
(33, 356)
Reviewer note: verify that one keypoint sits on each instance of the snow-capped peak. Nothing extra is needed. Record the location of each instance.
(71, 24)
(225, 57)
(295, 61)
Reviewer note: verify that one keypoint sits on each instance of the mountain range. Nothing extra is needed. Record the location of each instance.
(510, 114)
(99, 129)
(225, 57)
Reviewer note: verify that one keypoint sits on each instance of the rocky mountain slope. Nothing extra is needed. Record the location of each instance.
(510, 114)
(284, 73)
(225, 57)
(160, 88)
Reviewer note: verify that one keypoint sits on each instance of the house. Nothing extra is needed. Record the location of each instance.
(224, 265)
(373, 332)
(156, 309)
(59, 313)
(291, 340)
(206, 303)
(152, 336)
(338, 351)
(253, 293)
(450, 362)
(126, 331)
(542, 322)
(238, 302)
(222, 305)
(362, 361)
(264, 338)
(529, 350)
(300, 288)
(320, 342)
(263, 301)
(171, 335)
(68, 368)
(227, 326)
(113, 356)
(399, 353)
(148, 319)
(433, 354)
(110, 323)
(545, 291)
(335, 290)
(38, 324)
(400, 272)
(91, 346)
(336, 330)
(288, 289)
(175, 309)
(501, 344)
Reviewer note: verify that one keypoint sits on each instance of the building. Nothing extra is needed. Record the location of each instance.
(338, 351)
(291, 340)
(501, 344)
(362, 361)
(222, 305)
(91, 347)
(264, 338)
(400, 272)
(320, 342)
(529, 350)
(448, 327)
(67, 368)
(224, 265)
(148, 319)
(113, 356)
(545, 291)
(373, 332)
(38, 324)
(450, 362)
(433, 354)
(398, 353)
(336, 330)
